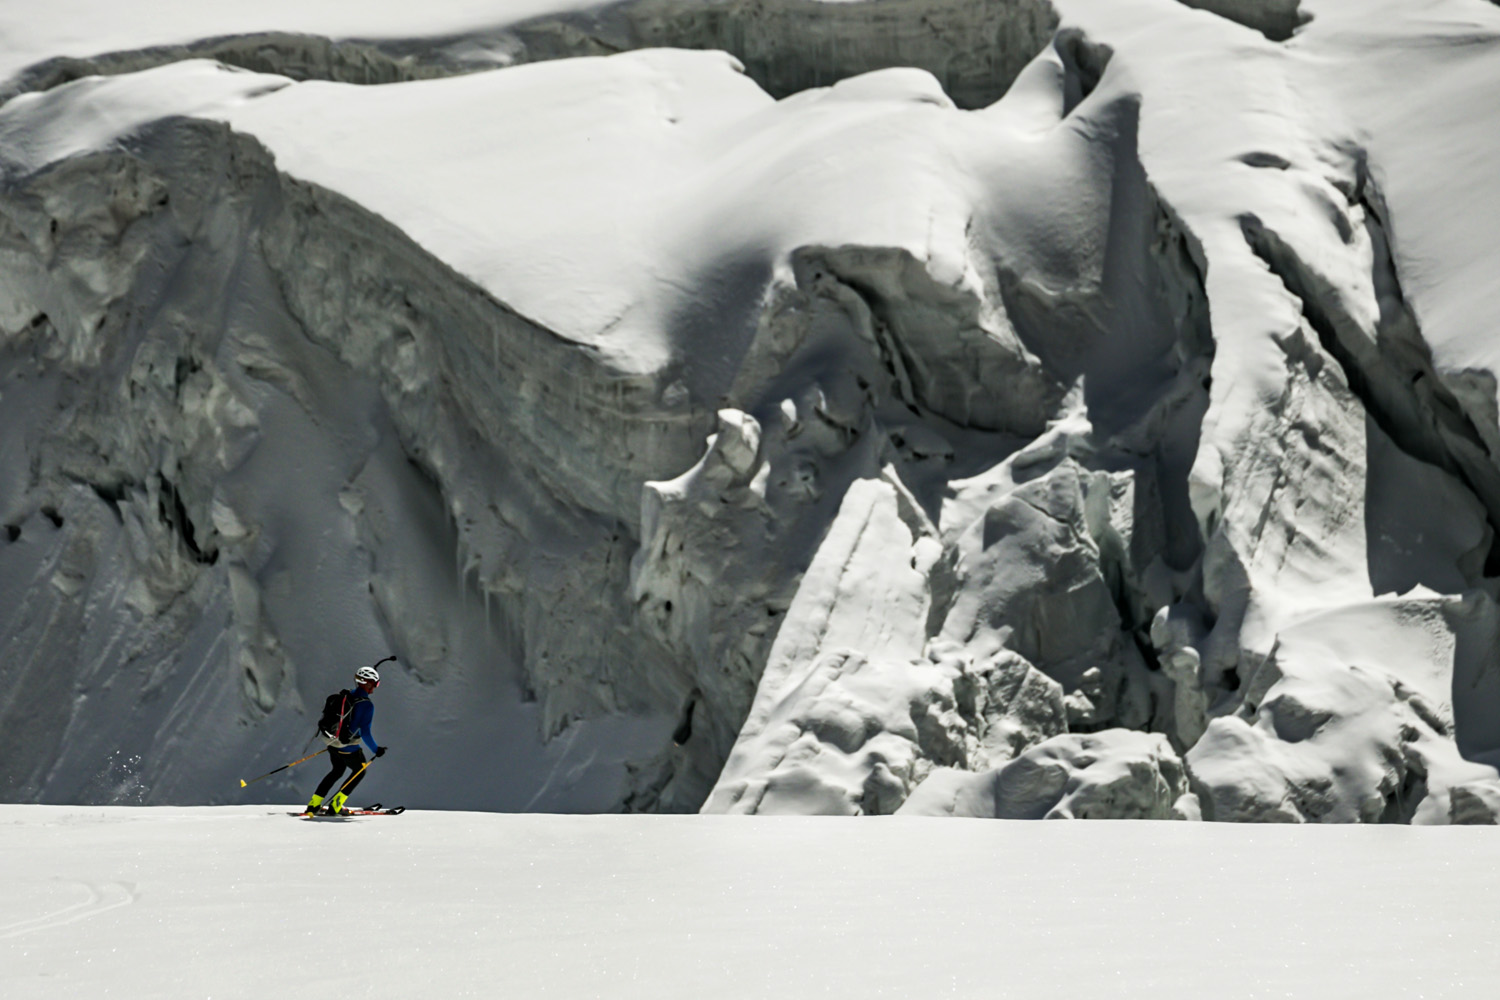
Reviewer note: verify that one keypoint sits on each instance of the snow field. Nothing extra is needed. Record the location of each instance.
(249, 902)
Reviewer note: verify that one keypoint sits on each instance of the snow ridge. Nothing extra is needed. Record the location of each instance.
(787, 46)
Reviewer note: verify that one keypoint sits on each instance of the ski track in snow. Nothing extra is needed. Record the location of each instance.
(102, 897)
(247, 902)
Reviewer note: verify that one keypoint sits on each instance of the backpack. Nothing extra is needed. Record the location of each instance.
(335, 724)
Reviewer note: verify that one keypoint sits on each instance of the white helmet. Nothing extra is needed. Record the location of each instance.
(367, 674)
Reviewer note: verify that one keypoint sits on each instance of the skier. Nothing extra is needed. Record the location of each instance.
(346, 754)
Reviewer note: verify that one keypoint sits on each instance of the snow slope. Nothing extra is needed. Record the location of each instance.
(1126, 445)
(245, 902)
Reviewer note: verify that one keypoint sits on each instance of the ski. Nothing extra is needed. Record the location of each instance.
(375, 810)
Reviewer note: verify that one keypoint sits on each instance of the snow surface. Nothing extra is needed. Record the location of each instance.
(247, 902)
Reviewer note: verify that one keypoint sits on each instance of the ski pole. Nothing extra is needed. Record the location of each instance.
(244, 783)
(350, 780)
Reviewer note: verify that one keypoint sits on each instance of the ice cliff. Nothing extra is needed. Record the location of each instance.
(1029, 409)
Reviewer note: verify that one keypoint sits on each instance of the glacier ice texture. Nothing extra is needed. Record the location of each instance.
(918, 407)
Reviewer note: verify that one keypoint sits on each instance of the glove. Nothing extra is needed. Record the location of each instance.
(380, 752)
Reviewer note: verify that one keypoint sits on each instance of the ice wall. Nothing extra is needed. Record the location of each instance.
(219, 501)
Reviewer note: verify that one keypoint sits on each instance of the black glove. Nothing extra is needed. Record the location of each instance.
(380, 752)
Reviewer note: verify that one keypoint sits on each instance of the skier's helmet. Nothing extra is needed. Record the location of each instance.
(367, 674)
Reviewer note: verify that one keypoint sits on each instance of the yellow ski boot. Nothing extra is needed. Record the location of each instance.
(312, 805)
(336, 804)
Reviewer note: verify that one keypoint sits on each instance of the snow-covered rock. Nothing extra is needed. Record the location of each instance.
(975, 50)
(1112, 774)
(1369, 713)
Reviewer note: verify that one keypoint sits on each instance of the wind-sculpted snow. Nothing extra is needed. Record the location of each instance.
(697, 439)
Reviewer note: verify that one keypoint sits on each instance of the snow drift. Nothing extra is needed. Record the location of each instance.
(1002, 410)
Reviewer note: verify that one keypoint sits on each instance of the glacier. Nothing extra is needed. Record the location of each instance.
(1065, 409)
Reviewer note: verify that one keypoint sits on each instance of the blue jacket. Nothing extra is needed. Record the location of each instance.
(360, 718)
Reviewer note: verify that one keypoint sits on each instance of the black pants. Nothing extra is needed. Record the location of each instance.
(351, 759)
